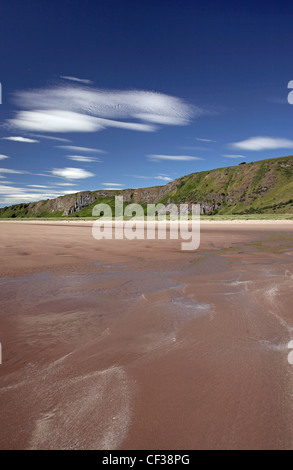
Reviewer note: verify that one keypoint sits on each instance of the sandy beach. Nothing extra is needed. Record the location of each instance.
(119, 344)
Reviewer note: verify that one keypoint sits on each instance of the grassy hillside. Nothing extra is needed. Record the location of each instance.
(263, 187)
(259, 187)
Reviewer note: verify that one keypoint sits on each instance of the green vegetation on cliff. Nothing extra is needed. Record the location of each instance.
(253, 188)
(263, 187)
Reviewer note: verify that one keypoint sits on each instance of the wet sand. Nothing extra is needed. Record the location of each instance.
(118, 344)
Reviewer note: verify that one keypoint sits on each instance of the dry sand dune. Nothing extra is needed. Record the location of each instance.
(118, 344)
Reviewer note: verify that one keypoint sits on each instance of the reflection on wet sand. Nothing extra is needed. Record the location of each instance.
(138, 345)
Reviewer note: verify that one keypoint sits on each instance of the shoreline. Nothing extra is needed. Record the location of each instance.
(202, 222)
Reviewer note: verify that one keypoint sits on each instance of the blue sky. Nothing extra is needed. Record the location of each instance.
(119, 94)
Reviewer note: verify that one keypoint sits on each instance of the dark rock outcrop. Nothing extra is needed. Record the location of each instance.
(83, 200)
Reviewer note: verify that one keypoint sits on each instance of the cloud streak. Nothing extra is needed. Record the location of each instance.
(75, 79)
(64, 184)
(40, 186)
(75, 108)
(163, 178)
(181, 158)
(263, 143)
(68, 121)
(71, 173)
(159, 177)
(14, 195)
(204, 140)
(55, 121)
(9, 171)
(77, 158)
(59, 139)
(21, 139)
(79, 149)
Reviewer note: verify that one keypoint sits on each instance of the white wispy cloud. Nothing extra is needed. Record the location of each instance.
(69, 121)
(47, 175)
(59, 139)
(263, 143)
(233, 156)
(140, 176)
(21, 139)
(3, 157)
(9, 171)
(71, 173)
(78, 158)
(113, 184)
(56, 121)
(158, 177)
(204, 140)
(163, 178)
(79, 149)
(75, 79)
(173, 157)
(65, 184)
(80, 109)
(40, 186)
(131, 126)
(14, 194)
(160, 119)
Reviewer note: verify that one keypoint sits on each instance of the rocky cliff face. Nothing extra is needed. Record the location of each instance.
(66, 204)
(82, 200)
(154, 194)
(76, 202)
(264, 186)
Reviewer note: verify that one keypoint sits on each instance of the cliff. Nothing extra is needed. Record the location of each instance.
(259, 187)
